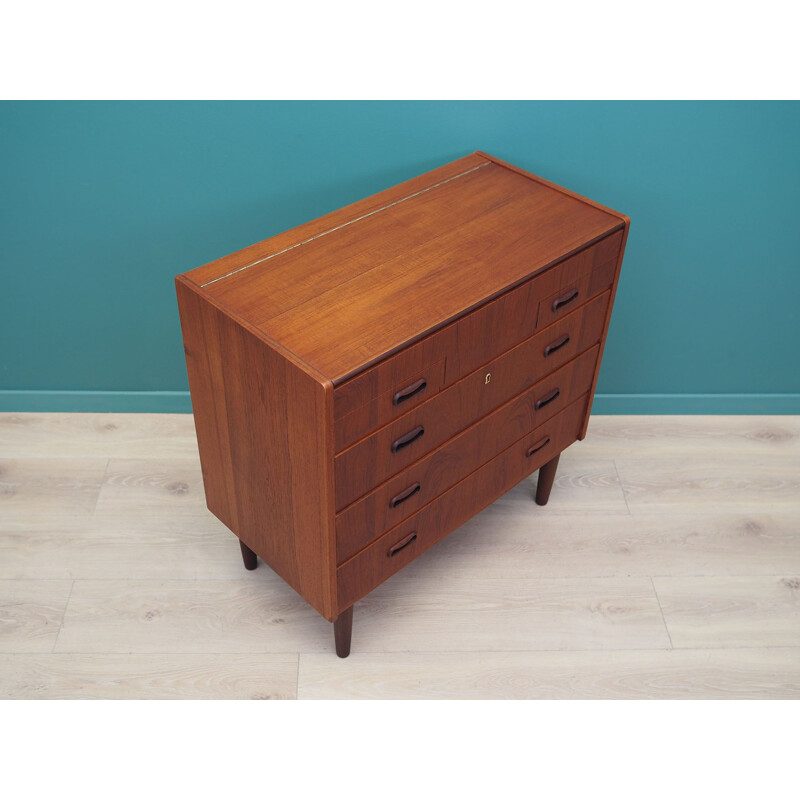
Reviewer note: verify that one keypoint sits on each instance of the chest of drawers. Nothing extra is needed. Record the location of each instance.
(364, 384)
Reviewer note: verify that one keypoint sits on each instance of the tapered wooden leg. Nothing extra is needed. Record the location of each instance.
(248, 556)
(342, 632)
(547, 474)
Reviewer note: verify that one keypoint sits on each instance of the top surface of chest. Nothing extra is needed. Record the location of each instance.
(344, 291)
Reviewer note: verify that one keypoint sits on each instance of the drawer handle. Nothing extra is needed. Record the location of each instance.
(548, 398)
(556, 345)
(403, 543)
(538, 446)
(404, 495)
(560, 302)
(409, 438)
(409, 391)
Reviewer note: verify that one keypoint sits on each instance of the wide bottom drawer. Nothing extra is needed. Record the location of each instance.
(401, 545)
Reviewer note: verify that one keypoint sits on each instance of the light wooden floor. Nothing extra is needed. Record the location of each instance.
(667, 565)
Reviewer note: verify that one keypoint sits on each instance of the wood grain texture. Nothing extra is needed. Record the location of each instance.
(324, 264)
(34, 435)
(607, 322)
(543, 578)
(367, 519)
(437, 255)
(116, 554)
(384, 408)
(626, 222)
(757, 674)
(430, 296)
(195, 676)
(153, 500)
(257, 613)
(371, 460)
(510, 372)
(583, 486)
(265, 443)
(290, 238)
(42, 493)
(734, 611)
(552, 185)
(707, 435)
(495, 327)
(506, 610)
(737, 483)
(30, 614)
(595, 545)
(452, 508)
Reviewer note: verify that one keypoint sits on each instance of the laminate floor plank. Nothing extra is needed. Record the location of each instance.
(155, 500)
(29, 435)
(230, 676)
(30, 614)
(43, 493)
(470, 612)
(743, 435)
(612, 675)
(708, 484)
(506, 608)
(114, 554)
(616, 546)
(731, 611)
(584, 485)
(256, 614)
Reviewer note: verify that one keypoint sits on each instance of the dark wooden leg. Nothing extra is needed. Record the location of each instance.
(342, 631)
(248, 556)
(547, 474)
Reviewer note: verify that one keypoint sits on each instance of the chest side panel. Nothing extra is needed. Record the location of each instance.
(265, 440)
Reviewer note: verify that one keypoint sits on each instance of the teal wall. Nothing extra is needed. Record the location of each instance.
(103, 203)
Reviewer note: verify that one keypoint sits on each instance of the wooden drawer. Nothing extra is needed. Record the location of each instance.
(391, 449)
(390, 405)
(476, 338)
(401, 545)
(574, 292)
(513, 317)
(406, 493)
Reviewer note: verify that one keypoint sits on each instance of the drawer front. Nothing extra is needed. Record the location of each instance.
(412, 392)
(391, 449)
(575, 290)
(514, 317)
(497, 326)
(401, 545)
(400, 497)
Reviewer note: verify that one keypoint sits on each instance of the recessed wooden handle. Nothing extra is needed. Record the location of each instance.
(548, 398)
(409, 391)
(538, 446)
(409, 438)
(403, 543)
(560, 302)
(556, 345)
(404, 495)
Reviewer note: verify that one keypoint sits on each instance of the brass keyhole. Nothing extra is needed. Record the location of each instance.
(488, 377)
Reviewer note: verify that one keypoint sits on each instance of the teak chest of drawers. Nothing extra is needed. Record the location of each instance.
(364, 384)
